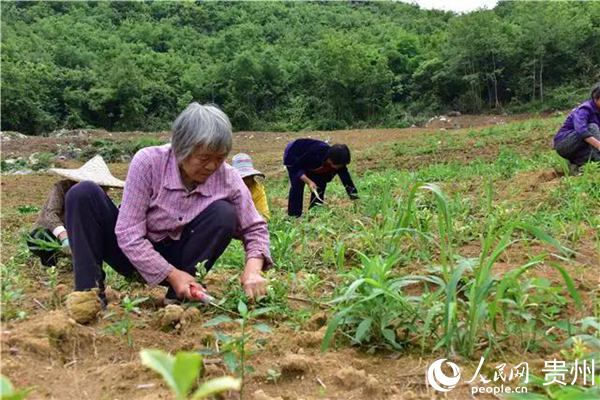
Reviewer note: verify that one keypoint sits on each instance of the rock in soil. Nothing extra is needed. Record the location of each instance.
(294, 365)
(169, 318)
(83, 307)
(351, 378)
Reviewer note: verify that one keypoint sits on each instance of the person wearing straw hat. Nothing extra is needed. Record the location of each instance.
(243, 164)
(49, 236)
(182, 205)
(315, 163)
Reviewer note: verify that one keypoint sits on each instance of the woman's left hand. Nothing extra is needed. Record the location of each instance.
(254, 284)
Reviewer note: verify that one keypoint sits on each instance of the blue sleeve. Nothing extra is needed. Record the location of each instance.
(581, 117)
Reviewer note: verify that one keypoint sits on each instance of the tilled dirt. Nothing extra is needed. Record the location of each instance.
(62, 359)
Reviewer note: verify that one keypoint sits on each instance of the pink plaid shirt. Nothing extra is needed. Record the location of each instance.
(156, 205)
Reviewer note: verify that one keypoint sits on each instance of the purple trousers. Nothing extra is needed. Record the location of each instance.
(90, 219)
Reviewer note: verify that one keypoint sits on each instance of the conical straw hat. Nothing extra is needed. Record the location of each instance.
(94, 170)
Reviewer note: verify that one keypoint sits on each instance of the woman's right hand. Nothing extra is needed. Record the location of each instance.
(309, 182)
(181, 282)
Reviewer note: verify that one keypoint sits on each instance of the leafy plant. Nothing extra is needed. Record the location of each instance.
(51, 282)
(282, 244)
(372, 306)
(27, 209)
(181, 372)
(335, 255)
(8, 392)
(273, 375)
(233, 348)
(556, 392)
(123, 326)
(485, 295)
(12, 284)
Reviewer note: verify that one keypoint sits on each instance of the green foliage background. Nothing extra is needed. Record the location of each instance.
(288, 66)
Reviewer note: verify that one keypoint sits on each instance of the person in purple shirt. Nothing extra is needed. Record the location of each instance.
(578, 140)
(181, 207)
(315, 163)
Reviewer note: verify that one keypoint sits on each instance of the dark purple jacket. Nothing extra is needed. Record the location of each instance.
(579, 119)
(304, 155)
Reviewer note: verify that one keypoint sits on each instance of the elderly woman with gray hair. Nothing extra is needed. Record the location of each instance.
(182, 205)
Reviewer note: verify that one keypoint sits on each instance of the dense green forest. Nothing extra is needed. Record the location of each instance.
(288, 65)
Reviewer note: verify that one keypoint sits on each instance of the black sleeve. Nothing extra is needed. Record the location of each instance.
(344, 175)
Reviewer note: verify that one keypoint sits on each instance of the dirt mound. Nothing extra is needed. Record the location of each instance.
(83, 307)
(124, 376)
(310, 339)
(351, 378)
(532, 181)
(530, 184)
(261, 395)
(294, 365)
(54, 334)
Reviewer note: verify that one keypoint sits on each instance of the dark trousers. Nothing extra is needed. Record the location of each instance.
(91, 217)
(574, 148)
(296, 195)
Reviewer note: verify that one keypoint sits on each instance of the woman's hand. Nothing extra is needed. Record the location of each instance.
(181, 282)
(65, 246)
(311, 184)
(593, 142)
(254, 284)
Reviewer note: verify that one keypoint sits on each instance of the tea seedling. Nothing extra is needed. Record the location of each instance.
(125, 324)
(234, 347)
(181, 372)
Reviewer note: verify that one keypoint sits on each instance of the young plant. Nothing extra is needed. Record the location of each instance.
(27, 209)
(125, 324)
(201, 271)
(282, 244)
(273, 375)
(556, 392)
(12, 282)
(234, 348)
(485, 294)
(52, 273)
(8, 392)
(181, 372)
(335, 255)
(372, 306)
